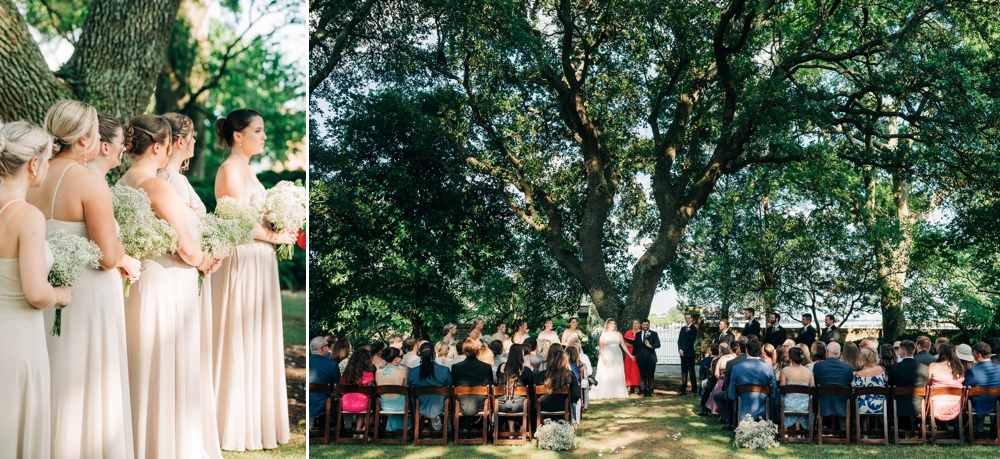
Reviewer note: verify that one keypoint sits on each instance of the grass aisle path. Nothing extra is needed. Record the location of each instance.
(663, 426)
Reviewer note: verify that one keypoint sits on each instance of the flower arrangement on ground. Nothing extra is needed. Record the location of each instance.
(141, 232)
(556, 436)
(70, 254)
(755, 434)
(285, 208)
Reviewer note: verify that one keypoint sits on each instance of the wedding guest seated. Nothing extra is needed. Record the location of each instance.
(586, 370)
(946, 371)
(376, 350)
(994, 348)
(330, 341)
(392, 373)
(851, 355)
(322, 370)
(460, 347)
(357, 372)
(573, 354)
(535, 360)
(471, 372)
(768, 354)
(831, 371)
(870, 375)
(923, 354)
(411, 358)
(781, 361)
(441, 350)
(703, 369)
(937, 343)
(964, 353)
(752, 372)
(984, 374)
(817, 352)
(722, 400)
(396, 341)
(715, 383)
(341, 350)
(498, 355)
(887, 356)
(796, 374)
(808, 355)
(485, 354)
(514, 372)
(789, 343)
(557, 375)
(908, 373)
(871, 342)
(430, 374)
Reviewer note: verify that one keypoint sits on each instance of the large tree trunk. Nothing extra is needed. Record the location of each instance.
(894, 265)
(113, 67)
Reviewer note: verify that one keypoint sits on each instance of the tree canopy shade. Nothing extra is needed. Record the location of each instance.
(609, 123)
(115, 61)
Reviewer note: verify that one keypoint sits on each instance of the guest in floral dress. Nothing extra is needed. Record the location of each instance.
(358, 371)
(946, 371)
(871, 375)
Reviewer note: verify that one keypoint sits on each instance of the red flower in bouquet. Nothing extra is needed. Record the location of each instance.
(302, 239)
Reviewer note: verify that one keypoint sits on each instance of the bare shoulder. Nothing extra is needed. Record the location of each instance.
(29, 218)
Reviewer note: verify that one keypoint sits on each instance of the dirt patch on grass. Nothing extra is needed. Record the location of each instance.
(295, 380)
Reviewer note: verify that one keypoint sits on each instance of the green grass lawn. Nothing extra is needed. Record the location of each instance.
(293, 309)
(663, 426)
(295, 448)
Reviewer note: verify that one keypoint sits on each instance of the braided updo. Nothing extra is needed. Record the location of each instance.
(143, 131)
(21, 141)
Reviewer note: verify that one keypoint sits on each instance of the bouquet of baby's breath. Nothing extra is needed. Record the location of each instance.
(70, 254)
(245, 217)
(141, 232)
(219, 237)
(755, 434)
(285, 208)
(556, 436)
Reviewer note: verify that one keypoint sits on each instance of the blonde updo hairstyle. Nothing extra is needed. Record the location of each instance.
(68, 121)
(20, 142)
(180, 126)
(143, 131)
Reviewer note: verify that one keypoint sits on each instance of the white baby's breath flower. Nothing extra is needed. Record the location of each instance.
(141, 232)
(755, 434)
(245, 217)
(556, 436)
(70, 255)
(285, 208)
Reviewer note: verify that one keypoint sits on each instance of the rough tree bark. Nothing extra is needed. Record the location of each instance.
(113, 67)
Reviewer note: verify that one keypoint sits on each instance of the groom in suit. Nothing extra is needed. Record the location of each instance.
(647, 342)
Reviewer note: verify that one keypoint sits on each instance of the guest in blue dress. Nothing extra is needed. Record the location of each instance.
(392, 373)
(430, 374)
(797, 374)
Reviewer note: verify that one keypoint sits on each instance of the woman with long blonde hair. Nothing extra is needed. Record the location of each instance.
(610, 371)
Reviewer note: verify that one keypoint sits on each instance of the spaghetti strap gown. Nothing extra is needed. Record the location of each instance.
(162, 325)
(249, 347)
(631, 367)
(91, 414)
(196, 209)
(25, 409)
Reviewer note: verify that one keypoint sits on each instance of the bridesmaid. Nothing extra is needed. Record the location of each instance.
(249, 350)
(162, 314)
(181, 152)
(25, 259)
(631, 367)
(88, 361)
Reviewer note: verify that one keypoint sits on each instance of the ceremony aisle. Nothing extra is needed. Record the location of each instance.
(663, 426)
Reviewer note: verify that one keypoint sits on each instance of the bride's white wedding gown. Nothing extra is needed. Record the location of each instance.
(610, 371)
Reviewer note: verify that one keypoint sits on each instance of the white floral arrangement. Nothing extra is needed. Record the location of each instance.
(70, 254)
(142, 233)
(752, 434)
(245, 217)
(556, 436)
(285, 208)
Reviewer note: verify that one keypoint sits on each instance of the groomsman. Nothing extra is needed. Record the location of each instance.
(647, 342)
(753, 326)
(725, 334)
(830, 331)
(775, 334)
(685, 346)
(807, 335)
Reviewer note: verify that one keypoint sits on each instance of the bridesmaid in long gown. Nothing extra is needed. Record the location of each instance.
(182, 150)
(631, 367)
(249, 364)
(25, 259)
(162, 313)
(91, 416)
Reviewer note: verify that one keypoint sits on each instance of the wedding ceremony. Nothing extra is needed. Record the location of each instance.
(152, 216)
(653, 229)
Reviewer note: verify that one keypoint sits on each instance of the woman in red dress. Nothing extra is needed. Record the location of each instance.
(631, 367)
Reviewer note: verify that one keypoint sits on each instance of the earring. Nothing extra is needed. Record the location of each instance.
(32, 176)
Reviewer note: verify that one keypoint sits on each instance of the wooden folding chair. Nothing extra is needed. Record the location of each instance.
(510, 438)
(484, 414)
(315, 434)
(565, 413)
(784, 433)
(972, 413)
(740, 390)
(344, 436)
(861, 433)
(960, 429)
(403, 392)
(846, 431)
(418, 422)
(908, 391)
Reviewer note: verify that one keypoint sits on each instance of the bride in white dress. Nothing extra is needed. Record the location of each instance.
(611, 365)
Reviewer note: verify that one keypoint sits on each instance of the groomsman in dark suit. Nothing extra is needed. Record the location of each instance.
(807, 335)
(646, 344)
(775, 334)
(753, 325)
(725, 334)
(830, 331)
(685, 347)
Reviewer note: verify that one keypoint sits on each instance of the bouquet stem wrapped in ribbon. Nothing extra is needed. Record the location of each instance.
(70, 255)
(285, 208)
(141, 232)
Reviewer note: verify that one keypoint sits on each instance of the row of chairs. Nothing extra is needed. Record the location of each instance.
(374, 414)
(878, 432)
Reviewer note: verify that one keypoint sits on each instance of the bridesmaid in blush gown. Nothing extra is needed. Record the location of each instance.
(162, 313)
(249, 348)
(91, 416)
(25, 260)
(631, 367)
